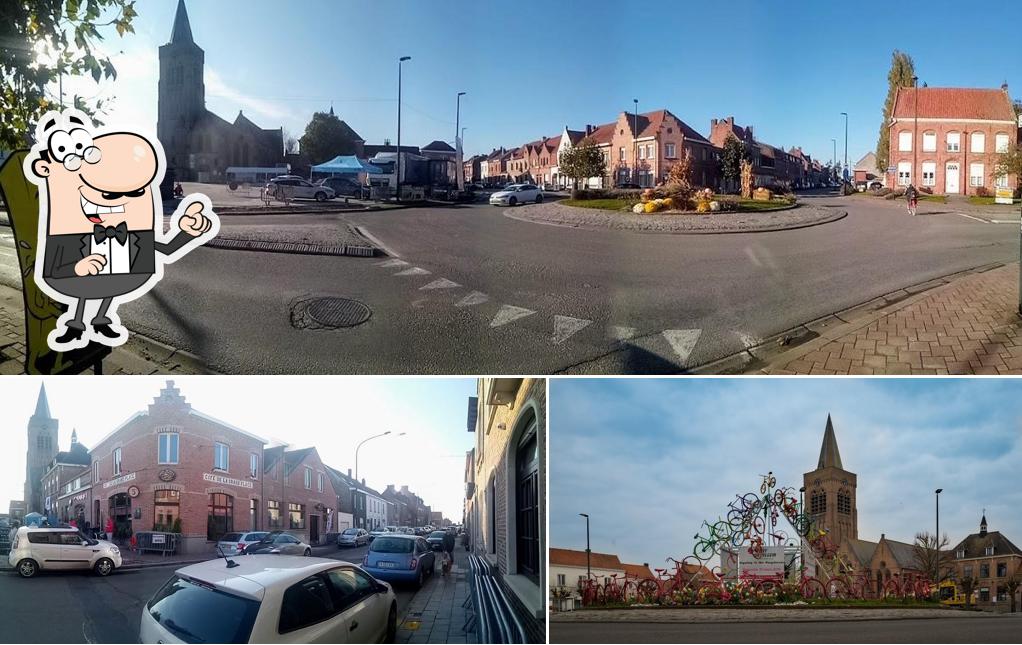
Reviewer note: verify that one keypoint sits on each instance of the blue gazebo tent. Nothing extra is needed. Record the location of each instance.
(346, 165)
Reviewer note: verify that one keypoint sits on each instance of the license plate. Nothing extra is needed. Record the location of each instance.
(386, 565)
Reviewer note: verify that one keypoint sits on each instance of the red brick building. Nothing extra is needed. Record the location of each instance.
(298, 494)
(961, 131)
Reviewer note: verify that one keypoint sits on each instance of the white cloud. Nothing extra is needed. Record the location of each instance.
(218, 88)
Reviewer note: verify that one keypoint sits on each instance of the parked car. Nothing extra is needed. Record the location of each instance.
(37, 549)
(517, 194)
(876, 185)
(235, 543)
(377, 532)
(406, 530)
(344, 186)
(628, 186)
(352, 537)
(278, 542)
(299, 188)
(400, 558)
(271, 599)
(436, 540)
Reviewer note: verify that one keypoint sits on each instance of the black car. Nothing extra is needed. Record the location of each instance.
(628, 186)
(436, 540)
(344, 186)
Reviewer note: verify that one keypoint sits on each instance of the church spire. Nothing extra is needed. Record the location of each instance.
(983, 524)
(829, 455)
(42, 406)
(182, 31)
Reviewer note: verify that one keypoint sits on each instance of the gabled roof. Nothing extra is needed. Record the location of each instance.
(651, 122)
(640, 571)
(438, 146)
(294, 458)
(954, 103)
(572, 558)
(863, 550)
(574, 136)
(903, 552)
(829, 455)
(975, 545)
(78, 455)
(868, 162)
(604, 133)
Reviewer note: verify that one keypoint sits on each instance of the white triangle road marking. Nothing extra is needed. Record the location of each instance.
(442, 283)
(509, 313)
(413, 271)
(566, 326)
(682, 341)
(391, 263)
(617, 332)
(474, 298)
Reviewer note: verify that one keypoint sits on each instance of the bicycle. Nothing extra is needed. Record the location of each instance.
(912, 206)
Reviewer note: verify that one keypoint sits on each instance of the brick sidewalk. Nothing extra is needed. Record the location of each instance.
(970, 326)
(137, 356)
(436, 614)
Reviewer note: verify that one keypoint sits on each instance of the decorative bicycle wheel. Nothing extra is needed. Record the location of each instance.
(811, 588)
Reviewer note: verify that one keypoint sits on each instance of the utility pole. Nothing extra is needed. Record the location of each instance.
(397, 156)
(936, 573)
(589, 570)
(635, 140)
(915, 130)
(844, 170)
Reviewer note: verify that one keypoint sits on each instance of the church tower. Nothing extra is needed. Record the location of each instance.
(181, 94)
(830, 492)
(42, 448)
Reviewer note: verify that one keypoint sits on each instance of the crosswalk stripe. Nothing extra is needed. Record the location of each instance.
(413, 271)
(566, 326)
(442, 283)
(617, 332)
(682, 341)
(391, 263)
(509, 313)
(474, 298)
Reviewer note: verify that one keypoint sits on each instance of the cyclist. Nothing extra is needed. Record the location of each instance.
(913, 199)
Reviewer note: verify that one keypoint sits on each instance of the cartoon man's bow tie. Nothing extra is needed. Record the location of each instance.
(102, 233)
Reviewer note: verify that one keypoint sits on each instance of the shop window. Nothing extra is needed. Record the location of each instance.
(296, 516)
(220, 518)
(166, 509)
(273, 515)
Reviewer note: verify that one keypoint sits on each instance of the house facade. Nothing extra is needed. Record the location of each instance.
(298, 495)
(948, 139)
(990, 559)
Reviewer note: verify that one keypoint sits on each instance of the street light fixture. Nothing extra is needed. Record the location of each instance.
(359, 447)
(589, 571)
(397, 156)
(936, 573)
(844, 170)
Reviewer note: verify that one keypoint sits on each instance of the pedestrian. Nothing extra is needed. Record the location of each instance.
(448, 551)
(109, 528)
(912, 196)
(73, 523)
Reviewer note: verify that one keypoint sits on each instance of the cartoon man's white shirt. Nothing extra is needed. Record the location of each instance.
(117, 254)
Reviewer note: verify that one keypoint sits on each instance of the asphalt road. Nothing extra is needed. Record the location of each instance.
(992, 629)
(483, 293)
(79, 607)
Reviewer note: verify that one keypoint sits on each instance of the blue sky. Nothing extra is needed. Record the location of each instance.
(331, 413)
(788, 69)
(650, 459)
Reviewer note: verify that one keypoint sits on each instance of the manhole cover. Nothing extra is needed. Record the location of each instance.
(338, 312)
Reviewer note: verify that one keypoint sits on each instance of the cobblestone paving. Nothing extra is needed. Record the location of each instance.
(766, 614)
(594, 218)
(970, 326)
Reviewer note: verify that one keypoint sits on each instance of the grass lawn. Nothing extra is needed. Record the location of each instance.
(604, 204)
(940, 199)
(987, 201)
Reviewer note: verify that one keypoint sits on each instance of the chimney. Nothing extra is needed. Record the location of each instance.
(363, 481)
(713, 123)
(349, 473)
(748, 129)
(589, 129)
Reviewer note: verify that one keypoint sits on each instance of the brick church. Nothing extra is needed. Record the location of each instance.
(200, 145)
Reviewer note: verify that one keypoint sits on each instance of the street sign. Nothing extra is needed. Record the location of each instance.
(891, 168)
(1003, 196)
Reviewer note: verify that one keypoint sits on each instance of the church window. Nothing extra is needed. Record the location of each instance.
(818, 502)
(40, 442)
(844, 503)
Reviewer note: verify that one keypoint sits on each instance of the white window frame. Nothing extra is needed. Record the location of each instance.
(1001, 142)
(224, 450)
(974, 179)
(649, 150)
(669, 150)
(95, 466)
(929, 173)
(1001, 181)
(642, 152)
(905, 141)
(988, 550)
(253, 465)
(930, 141)
(117, 461)
(308, 478)
(170, 459)
(957, 145)
(319, 482)
(904, 173)
(981, 139)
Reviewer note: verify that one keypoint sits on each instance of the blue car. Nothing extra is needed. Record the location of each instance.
(396, 557)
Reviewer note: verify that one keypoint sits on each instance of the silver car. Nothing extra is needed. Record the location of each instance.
(515, 194)
(235, 543)
(278, 542)
(49, 549)
(298, 188)
(352, 537)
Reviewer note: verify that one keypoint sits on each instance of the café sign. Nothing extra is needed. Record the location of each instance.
(229, 481)
(117, 481)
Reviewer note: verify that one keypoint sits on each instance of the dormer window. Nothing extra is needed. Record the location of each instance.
(988, 550)
(960, 554)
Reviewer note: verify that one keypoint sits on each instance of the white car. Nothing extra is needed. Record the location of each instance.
(299, 188)
(378, 531)
(47, 549)
(235, 543)
(517, 194)
(271, 599)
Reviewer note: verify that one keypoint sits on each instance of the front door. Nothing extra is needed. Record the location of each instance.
(314, 529)
(951, 171)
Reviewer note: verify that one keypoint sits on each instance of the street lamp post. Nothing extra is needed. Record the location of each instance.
(833, 158)
(457, 117)
(397, 156)
(359, 447)
(801, 546)
(589, 571)
(635, 140)
(844, 170)
(915, 130)
(936, 573)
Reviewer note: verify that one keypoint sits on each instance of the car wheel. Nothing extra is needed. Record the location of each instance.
(321, 196)
(539, 198)
(308, 552)
(422, 577)
(103, 567)
(391, 624)
(513, 201)
(27, 568)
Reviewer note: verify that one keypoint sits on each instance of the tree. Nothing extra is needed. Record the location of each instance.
(968, 584)
(290, 143)
(1010, 162)
(325, 137)
(1013, 583)
(582, 161)
(925, 551)
(679, 177)
(900, 75)
(42, 41)
(731, 158)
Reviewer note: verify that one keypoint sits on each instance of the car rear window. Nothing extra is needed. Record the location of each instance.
(385, 544)
(254, 537)
(350, 531)
(231, 537)
(197, 613)
(436, 534)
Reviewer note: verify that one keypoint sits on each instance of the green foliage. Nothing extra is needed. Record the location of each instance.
(900, 75)
(1009, 162)
(176, 527)
(40, 41)
(582, 161)
(731, 158)
(326, 137)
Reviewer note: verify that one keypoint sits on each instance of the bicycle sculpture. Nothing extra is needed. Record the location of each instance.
(752, 523)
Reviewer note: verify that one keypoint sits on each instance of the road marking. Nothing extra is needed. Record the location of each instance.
(413, 271)
(391, 263)
(682, 341)
(1003, 221)
(978, 219)
(566, 326)
(509, 313)
(617, 332)
(442, 283)
(748, 340)
(474, 298)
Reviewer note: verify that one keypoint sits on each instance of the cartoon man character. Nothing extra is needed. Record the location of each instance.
(101, 223)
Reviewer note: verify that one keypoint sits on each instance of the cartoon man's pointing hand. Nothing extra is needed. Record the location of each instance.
(98, 226)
